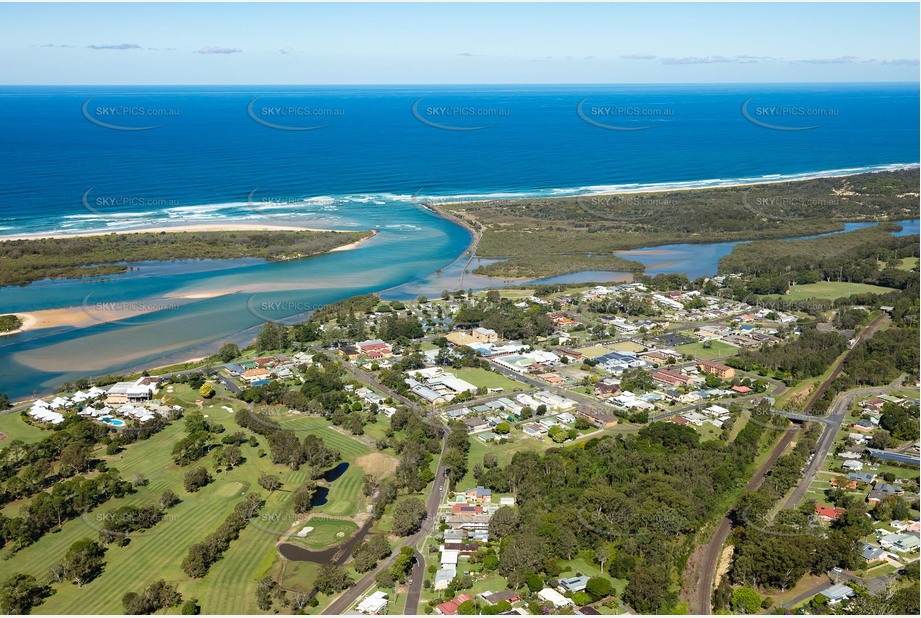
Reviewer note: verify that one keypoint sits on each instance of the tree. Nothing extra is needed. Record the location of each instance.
(191, 608)
(403, 564)
(231, 456)
(384, 579)
(502, 428)
(407, 516)
(303, 497)
(168, 499)
(74, 458)
(503, 522)
(598, 587)
(82, 563)
(228, 352)
(206, 390)
(196, 479)
(159, 595)
(648, 590)
(331, 578)
(20, 593)
(745, 600)
(269, 482)
(467, 608)
(558, 434)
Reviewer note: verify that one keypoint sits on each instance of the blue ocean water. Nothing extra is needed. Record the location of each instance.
(360, 158)
(212, 147)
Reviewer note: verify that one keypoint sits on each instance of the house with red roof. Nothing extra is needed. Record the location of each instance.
(741, 389)
(462, 508)
(829, 513)
(449, 608)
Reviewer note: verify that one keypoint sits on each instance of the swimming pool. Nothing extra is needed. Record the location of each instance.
(108, 420)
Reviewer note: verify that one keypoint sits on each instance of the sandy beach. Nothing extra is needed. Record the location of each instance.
(193, 227)
(90, 315)
(28, 321)
(356, 244)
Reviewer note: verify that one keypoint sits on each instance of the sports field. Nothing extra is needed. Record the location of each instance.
(830, 290)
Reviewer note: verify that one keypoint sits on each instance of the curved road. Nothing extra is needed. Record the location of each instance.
(700, 603)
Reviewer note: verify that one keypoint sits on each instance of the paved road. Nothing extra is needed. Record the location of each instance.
(833, 424)
(435, 497)
(700, 603)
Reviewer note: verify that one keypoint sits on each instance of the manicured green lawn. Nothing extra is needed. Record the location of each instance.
(489, 379)
(12, 426)
(326, 532)
(717, 349)
(229, 586)
(830, 290)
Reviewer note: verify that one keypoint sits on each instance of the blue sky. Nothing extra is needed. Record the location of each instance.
(456, 43)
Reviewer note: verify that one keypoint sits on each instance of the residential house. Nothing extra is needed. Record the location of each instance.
(828, 513)
(476, 424)
(670, 378)
(596, 417)
(603, 391)
(374, 604)
(573, 584)
(716, 369)
(552, 596)
(479, 494)
(443, 578)
(901, 543)
(882, 491)
(861, 477)
(837, 593)
(254, 375)
(494, 598)
(449, 608)
(872, 554)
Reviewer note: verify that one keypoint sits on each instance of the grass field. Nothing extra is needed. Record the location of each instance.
(829, 290)
(489, 379)
(12, 426)
(717, 349)
(345, 492)
(229, 587)
(503, 453)
(326, 532)
(593, 351)
(627, 346)
(909, 263)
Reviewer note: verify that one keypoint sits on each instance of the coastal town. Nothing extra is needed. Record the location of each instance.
(500, 375)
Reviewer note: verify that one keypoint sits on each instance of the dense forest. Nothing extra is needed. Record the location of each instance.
(807, 356)
(25, 261)
(849, 256)
(877, 361)
(632, 501)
